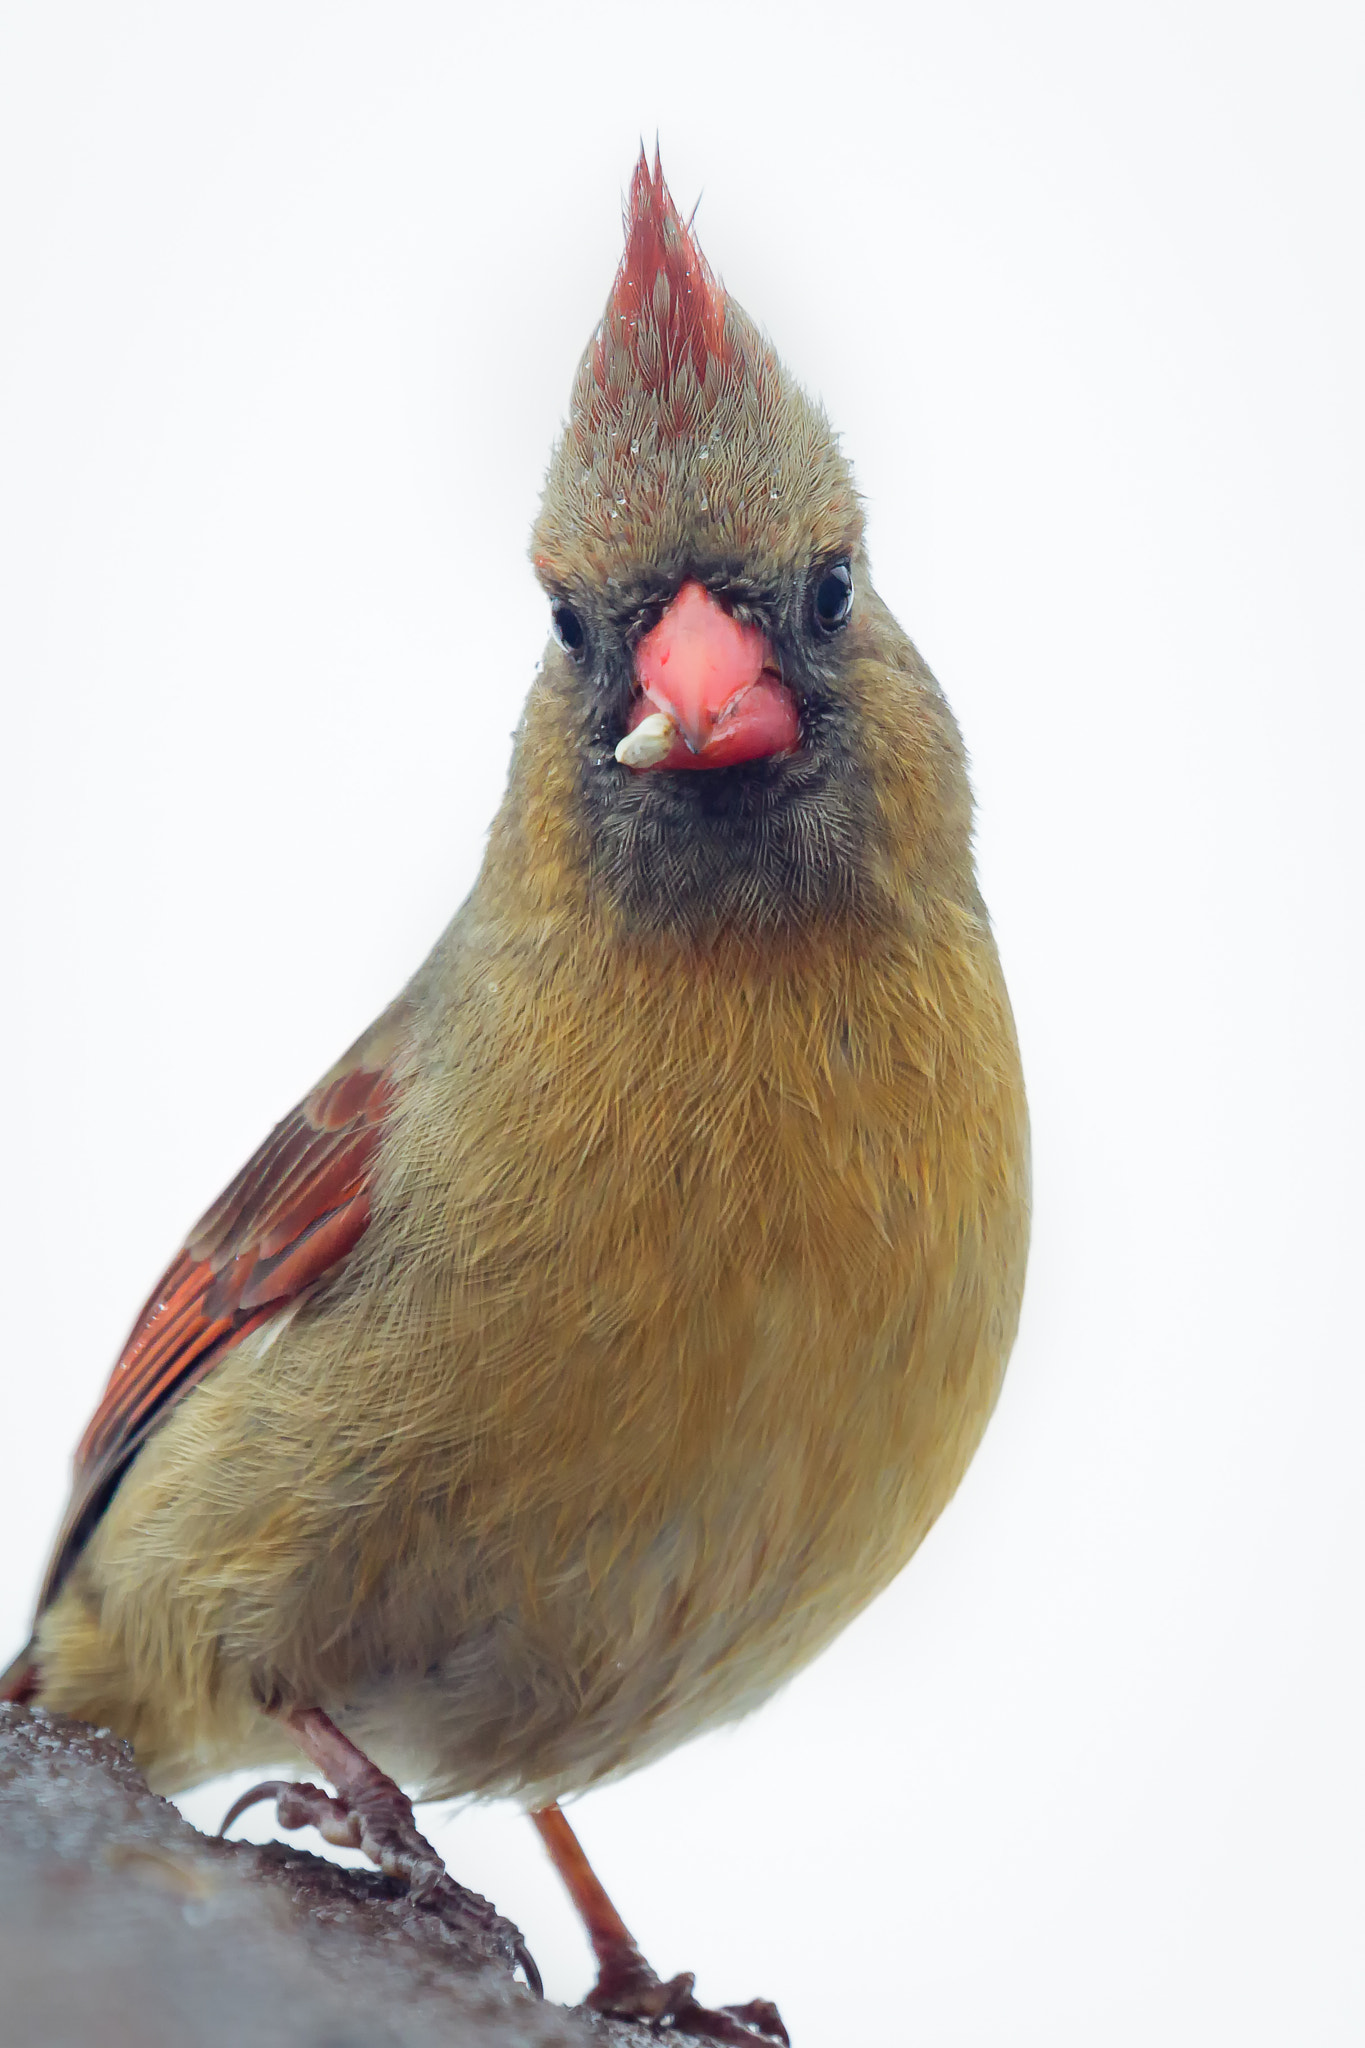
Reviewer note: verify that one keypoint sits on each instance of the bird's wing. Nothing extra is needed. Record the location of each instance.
(298, 1206)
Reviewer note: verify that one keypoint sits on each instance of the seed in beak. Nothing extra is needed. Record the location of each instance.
(648, 744)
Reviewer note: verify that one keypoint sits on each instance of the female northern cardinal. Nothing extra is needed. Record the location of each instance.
(611, 1323)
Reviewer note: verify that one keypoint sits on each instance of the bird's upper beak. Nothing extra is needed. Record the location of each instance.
(710, 688)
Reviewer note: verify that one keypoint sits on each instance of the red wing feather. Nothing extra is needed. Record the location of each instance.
(292, 1214)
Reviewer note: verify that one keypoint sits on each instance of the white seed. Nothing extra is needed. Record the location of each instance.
(651, 740)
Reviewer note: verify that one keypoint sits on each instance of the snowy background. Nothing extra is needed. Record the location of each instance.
(292, 297)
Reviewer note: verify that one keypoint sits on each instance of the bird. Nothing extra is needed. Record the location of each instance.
(609, 1325)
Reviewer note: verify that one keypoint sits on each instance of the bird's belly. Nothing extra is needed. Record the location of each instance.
(720, 1357)
(547, 1697)
(579, 1644)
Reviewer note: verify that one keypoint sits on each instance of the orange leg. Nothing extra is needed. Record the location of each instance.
(626, 1985)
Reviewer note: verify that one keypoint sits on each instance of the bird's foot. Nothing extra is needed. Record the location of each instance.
(627, 1988)
(373, 1814)
(382, 1830)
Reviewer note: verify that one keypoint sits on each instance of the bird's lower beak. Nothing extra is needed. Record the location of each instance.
(709, 691)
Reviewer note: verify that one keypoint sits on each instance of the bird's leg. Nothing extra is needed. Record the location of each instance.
(626, 1986)
(373, 1814)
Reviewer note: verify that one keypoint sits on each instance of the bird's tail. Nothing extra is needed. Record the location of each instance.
(19, 1680)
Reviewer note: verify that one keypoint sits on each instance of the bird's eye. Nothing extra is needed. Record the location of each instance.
(567, 628)
(833, 597)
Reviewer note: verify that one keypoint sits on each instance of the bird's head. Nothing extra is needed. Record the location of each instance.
(742, 715)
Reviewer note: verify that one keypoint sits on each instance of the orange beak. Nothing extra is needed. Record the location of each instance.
(718, 681)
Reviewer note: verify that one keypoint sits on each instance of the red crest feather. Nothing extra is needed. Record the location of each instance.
(659, 245)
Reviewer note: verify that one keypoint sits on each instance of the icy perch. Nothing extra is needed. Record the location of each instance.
(123, 1927)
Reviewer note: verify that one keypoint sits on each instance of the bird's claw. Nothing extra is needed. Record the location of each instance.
(627, 1988)
(758, 2020)
(378, 1821)
(302, 1806)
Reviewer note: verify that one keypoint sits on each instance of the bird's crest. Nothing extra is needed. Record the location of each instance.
(685, 439)
(666, 304)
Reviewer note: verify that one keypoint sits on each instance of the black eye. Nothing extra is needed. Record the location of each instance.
(833, 597)
(567, 628)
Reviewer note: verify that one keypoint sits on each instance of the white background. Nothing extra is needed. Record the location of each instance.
(292, 298)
